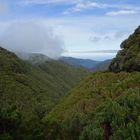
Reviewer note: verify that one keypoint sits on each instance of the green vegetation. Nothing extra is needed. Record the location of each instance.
(104, 106)
(37, 101)
(33, 89)
(128, 59)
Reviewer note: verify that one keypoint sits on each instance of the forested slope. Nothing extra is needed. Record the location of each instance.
(103, 105)
(32, 90)
(106, 105)
(128, 59)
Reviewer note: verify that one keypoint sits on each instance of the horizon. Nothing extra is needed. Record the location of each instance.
(77, 28)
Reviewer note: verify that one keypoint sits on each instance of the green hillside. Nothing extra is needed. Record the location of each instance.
(32, 90)
(106, 105)
(103, 66)
(42, 100)
(102, 100)
(128, 59)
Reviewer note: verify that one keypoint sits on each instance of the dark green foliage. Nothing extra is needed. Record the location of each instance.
(34, 89)
(104, 106)
(9, 63)
(10, 120)
(128, 59)
(116, 120)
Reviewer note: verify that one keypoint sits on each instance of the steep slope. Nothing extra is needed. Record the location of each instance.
(91, 65)
(102, 66)
(86, 63)
(35, 58)
(28, 91)
(128, 59)
(51, 79)
(104, 106)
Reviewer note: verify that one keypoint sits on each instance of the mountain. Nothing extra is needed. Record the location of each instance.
(29, 90)
(86, 63)
(45, 101)
(35, 58)
(102, 66)
(128, 59)
(103, 106)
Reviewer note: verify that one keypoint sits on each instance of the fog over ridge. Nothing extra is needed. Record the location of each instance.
(30, 37)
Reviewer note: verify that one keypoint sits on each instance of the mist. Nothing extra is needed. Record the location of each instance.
(30, 37)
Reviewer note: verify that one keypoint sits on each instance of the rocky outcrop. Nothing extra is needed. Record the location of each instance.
(128, 58)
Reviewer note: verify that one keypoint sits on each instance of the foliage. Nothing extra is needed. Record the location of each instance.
(10, 120)
(103, 106)
(128, 59)
(37, 103)
(34, 89)
(117, 119)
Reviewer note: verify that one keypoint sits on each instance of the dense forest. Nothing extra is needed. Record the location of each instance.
(45, 101)
(28, 91)
(106, 105)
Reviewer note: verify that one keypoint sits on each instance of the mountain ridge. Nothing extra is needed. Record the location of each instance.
(87, 63)
(30, 90)
(102, 106)
(128, 59)
(105, 105)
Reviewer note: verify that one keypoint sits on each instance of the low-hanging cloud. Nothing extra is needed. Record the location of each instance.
(31, 37)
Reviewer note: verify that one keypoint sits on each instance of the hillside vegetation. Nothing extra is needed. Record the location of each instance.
(128, 59)
(106, 105)
(103, 106)
(33, 89)
(38, 102)
(103, 66)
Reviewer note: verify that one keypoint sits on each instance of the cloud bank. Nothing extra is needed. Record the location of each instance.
(30, 37)
(122, 12)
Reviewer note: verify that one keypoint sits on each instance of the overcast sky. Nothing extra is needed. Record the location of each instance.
(78, 28)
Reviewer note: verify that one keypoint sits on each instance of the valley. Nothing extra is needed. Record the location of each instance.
(65, 99)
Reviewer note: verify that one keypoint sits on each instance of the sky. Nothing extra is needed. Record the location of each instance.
(91, 29)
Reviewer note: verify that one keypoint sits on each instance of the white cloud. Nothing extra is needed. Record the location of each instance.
(122, 12)
(82, 5)
(88, 5)
(76, 31)
(85, 5)
(31, 37)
